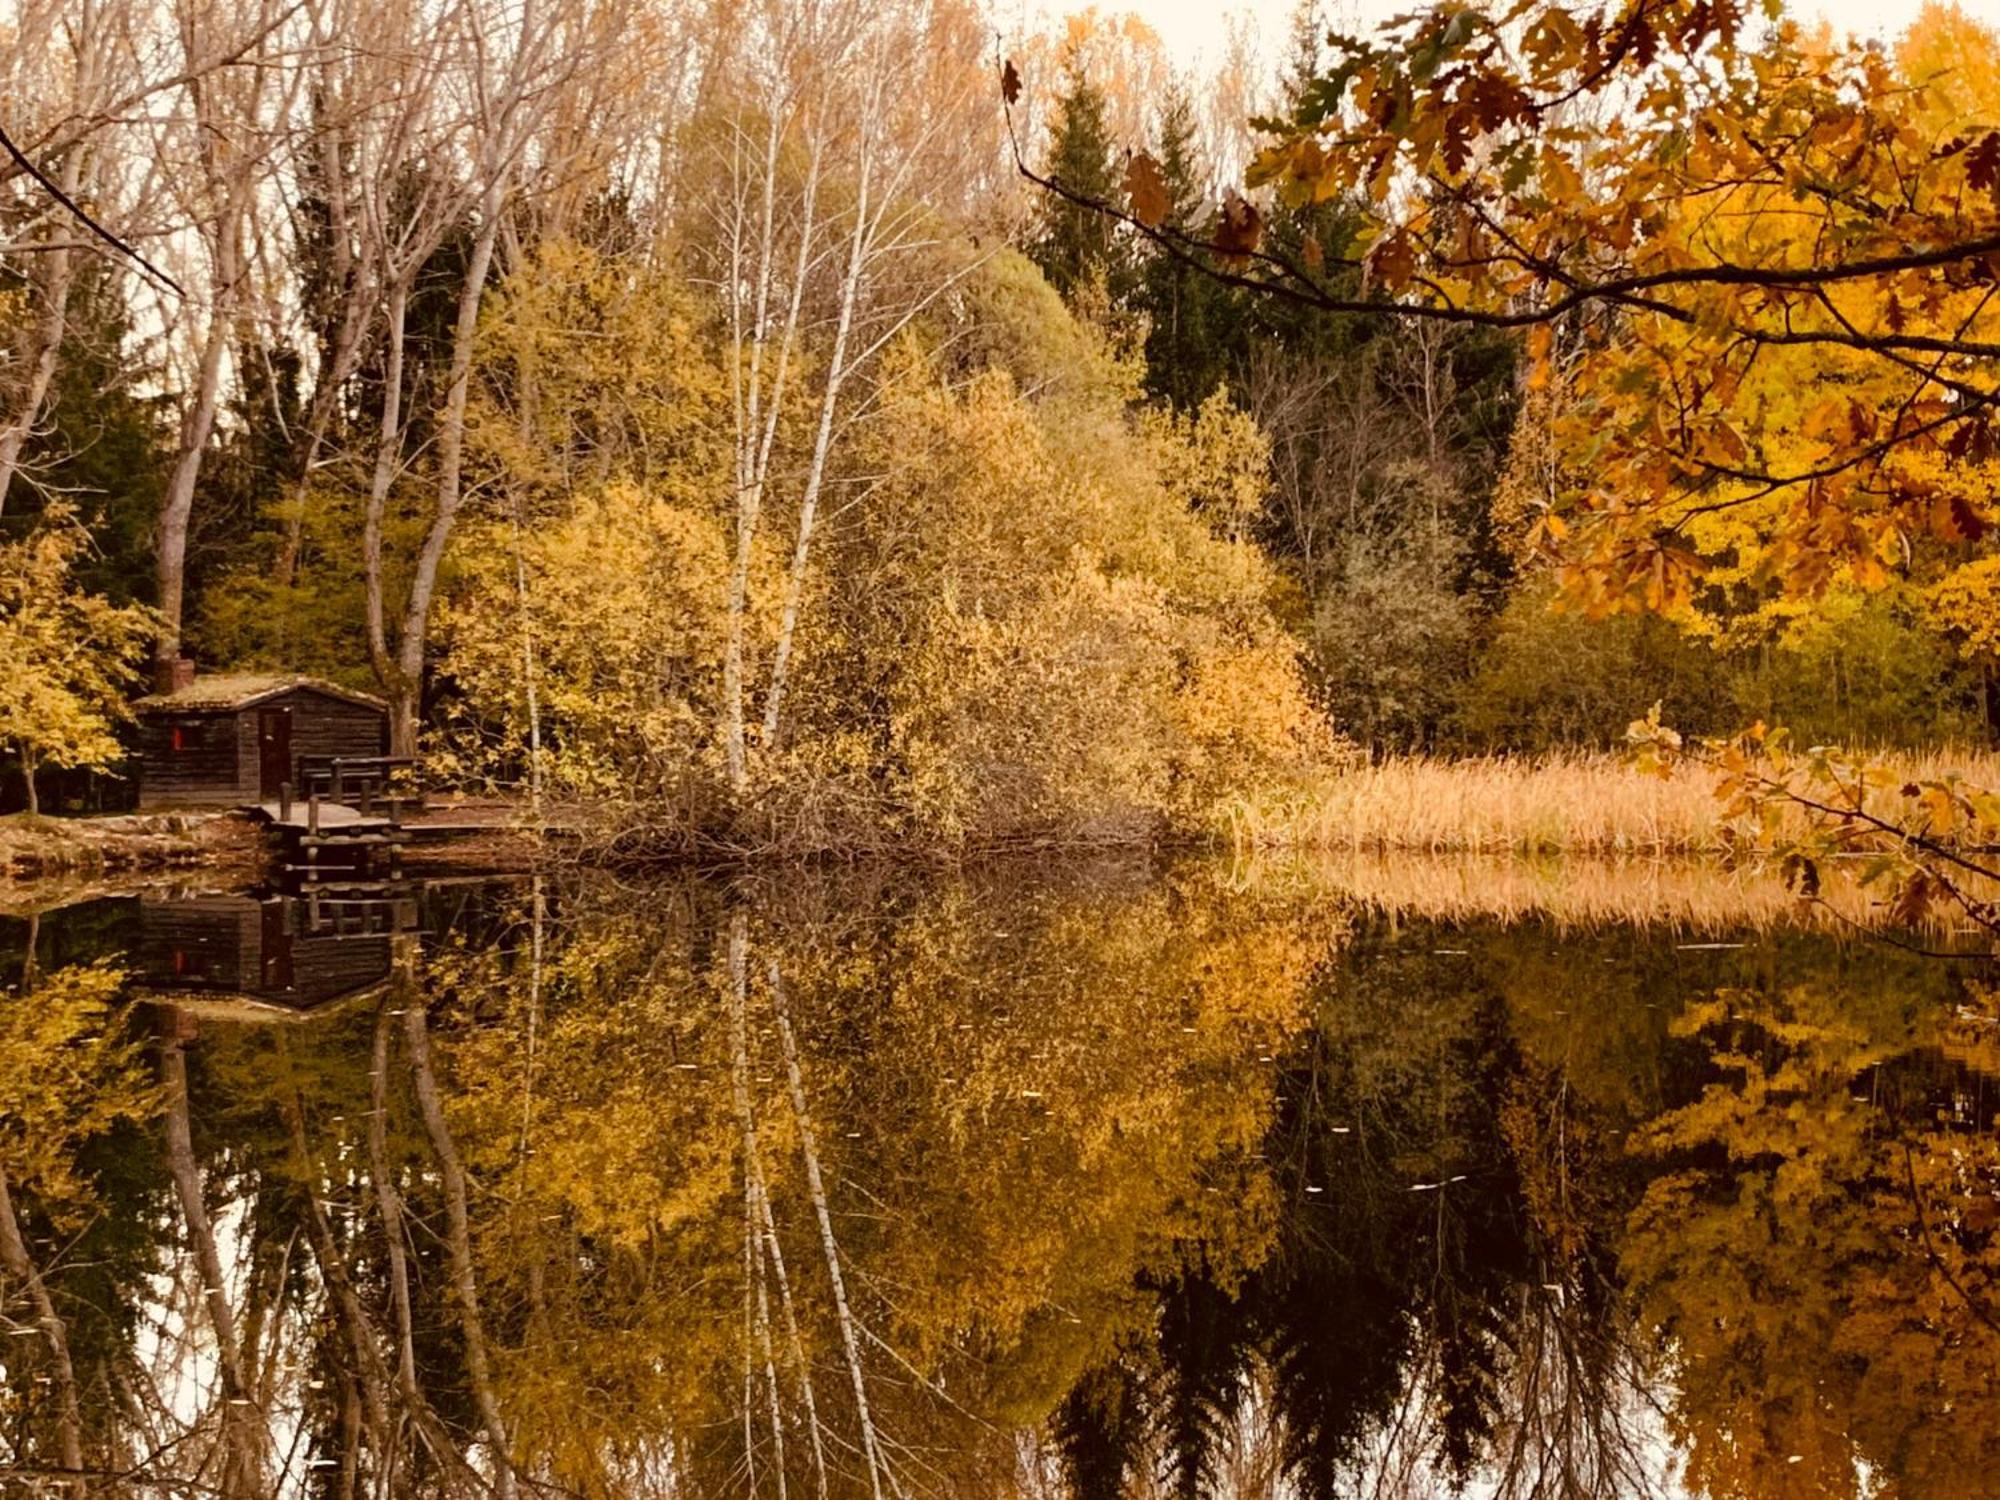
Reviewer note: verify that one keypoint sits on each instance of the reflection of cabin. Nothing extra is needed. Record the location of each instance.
(229, 740)
(282, 952)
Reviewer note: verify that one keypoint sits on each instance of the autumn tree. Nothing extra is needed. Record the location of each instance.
(1496, 202)
(65, 654)
(218, 156)
(64, 66)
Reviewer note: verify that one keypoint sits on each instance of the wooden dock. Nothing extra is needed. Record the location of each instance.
(316, 836)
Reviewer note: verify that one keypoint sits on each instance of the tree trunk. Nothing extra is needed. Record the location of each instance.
(21, 1267)
(757, 414)
(822, 1209)
(405, 697)
(197, 423)
(46, 348)
(388, 1201)
(388, 453)
(245, 1442)
(369, 1376)
(458, 1241)
(529, 685)
(836, 377)
(389, 1205)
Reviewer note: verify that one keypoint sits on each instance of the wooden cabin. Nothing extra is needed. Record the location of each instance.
(236, 739)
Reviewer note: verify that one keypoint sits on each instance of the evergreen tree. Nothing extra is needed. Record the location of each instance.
(1076, 244)
(1190, 320)
(103, 442)
(1100, 1431)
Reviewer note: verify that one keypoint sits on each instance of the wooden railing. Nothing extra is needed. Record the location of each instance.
(358, 780)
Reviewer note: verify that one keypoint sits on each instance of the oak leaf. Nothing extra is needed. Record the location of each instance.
(1982, 163)
(1239, 228)
(1146, 190)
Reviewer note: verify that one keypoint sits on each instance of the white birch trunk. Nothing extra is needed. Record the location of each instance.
(458, 1241)
(871, 1448)
(407, 688)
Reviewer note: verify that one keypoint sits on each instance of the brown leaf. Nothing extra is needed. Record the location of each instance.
(1982, 162)
(1010, 83)
(1912, 900)
(1967, 524)
(1313, 254)
(1239, 228)
(1394, 261)
(1146, 190)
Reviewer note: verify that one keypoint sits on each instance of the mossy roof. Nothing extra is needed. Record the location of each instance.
(227, 692)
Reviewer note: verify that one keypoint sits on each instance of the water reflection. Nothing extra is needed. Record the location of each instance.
(1099, 1182)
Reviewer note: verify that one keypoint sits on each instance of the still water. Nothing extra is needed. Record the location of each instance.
(1098, 1181)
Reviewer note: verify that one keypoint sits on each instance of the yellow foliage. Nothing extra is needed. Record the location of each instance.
(1030, 612)
(66, 1076)
(1022, 1100)
(66, 655)
(1965, 604)
(615, 617)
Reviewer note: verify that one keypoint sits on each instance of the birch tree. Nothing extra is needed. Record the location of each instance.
(837, 118)
(222, 148)
(64, 60)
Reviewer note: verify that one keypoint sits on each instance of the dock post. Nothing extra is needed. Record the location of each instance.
(284, 802)
(337, 780)
(367, 798)
(312, 815)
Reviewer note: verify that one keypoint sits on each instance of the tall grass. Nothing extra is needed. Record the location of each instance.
(1556, 804)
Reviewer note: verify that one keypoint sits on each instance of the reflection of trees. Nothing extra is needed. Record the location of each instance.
(1445, 1299)
(1418, 1317)
(895, 1152)
(834, 1186)
(1817, 1239)
(68, 1084)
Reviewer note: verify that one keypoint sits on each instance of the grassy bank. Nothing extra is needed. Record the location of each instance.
(1556, 804)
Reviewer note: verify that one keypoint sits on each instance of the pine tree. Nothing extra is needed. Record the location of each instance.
(1076, 244)
(1191, 324)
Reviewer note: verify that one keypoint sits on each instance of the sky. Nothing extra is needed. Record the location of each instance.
(1195, 28)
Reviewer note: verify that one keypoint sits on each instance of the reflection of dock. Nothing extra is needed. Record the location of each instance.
(271, 956)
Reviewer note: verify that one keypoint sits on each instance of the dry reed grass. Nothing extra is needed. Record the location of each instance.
(1567, 804)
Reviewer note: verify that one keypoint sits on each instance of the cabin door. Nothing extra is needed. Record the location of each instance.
(274, 751)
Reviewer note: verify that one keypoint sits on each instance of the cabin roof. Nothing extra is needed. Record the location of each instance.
(231, 691)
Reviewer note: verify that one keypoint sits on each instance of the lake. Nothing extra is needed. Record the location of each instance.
(1087, 1178)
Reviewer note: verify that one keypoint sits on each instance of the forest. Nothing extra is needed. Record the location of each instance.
(1258, 781)
(766, 422)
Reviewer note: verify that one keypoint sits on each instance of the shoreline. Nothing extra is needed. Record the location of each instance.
(1691, 894)
(1395, 819)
